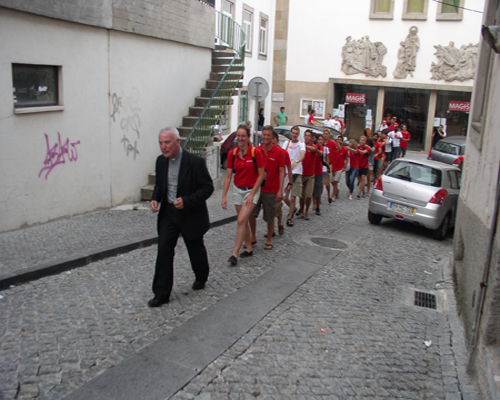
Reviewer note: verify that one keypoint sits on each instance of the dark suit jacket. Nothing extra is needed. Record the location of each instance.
(195, 186)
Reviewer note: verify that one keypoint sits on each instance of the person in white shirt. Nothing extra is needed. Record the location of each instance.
(328, 122)
(296, 151)
(336, 124)
(396, 137)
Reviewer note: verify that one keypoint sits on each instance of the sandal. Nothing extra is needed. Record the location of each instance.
(289, 222)
(268, 246)
(307, 217)
(300, 216)
(233, 260)
(281, 229)
(247, 254)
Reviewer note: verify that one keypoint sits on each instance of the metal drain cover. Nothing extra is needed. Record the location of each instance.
(425, 300)
(332, 243)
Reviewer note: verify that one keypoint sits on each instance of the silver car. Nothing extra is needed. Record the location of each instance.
(450, 150)
(423, 192)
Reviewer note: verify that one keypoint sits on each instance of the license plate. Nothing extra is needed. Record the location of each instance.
(401, 208)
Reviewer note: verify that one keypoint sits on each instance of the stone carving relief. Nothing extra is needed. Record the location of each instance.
(455, 64)
(363, 57)
(407, 55)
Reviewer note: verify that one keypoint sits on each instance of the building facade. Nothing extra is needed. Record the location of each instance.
(85, 87)
(413, 59)
(476, 255)
(257, 20)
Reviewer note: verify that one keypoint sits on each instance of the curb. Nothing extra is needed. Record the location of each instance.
(79, 260)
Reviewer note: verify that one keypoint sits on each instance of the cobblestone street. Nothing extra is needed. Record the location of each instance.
(350, 331)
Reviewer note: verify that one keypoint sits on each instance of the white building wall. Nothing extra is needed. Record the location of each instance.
(157, 80)
(253, 65)
(154, 82)
(318, 29)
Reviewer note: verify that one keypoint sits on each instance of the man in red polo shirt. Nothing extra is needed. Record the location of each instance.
(272, 191)
(363, 154)
(339, 157)
(308, 174)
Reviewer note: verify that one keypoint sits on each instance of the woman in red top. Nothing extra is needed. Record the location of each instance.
(248, 167)
(350, 176)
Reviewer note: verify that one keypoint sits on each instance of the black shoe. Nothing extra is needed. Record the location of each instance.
(318, 212)
(247, 254)
(198, 285)
(330, 200)
(233, 260)
(157, 301)
(358, 196)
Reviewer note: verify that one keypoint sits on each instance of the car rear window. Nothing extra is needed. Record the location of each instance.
(413, 172)
(447, 148)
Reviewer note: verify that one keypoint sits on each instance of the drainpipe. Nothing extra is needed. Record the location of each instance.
(486, 273)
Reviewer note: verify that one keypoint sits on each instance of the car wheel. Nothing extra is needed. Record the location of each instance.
(374, 218)
(441, 232)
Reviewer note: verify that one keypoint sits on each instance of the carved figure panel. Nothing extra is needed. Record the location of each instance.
(363, 57)
(407, 55)
(455, 64)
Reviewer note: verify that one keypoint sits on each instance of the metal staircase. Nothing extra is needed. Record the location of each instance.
(227, 71)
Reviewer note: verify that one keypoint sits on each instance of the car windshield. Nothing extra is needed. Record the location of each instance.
(447, 148)
(417, 173)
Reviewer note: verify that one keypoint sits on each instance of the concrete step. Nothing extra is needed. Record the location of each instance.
(221, 92)
(211, 84)
(152, 178)
(223, 68)
(147, 192)
(222, 54)
(202, 101)
(184, 131)
(217, 76)
(222, 47)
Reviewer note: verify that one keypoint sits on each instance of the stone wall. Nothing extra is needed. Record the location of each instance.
(184, 21)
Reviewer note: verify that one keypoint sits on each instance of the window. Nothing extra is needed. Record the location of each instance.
(452, 176)
(243, 106)
(35, 88)
(316, 105)
(227, 8)
(263, 36)
(248, 27)
(412, 172)
(381, 9)
(415, 9)
(450, 10)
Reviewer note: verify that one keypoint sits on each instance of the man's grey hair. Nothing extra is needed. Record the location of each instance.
(172, 129)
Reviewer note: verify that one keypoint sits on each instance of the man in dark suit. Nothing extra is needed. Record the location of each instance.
(182, 186)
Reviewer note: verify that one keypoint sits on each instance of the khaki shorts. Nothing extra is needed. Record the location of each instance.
(296, 186)
(336, 176)
(240, 195)
(307, 186)
(267, 201)
(327, 178)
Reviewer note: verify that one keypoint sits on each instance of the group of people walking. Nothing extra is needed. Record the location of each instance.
(263, 178)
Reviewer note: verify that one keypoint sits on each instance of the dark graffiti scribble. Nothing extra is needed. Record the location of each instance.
(58, 153)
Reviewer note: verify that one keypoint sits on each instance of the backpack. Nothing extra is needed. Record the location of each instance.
(235, 151)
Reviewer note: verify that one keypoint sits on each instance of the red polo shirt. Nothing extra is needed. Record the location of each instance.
(339, 157)
(273, 160)
(403, 143)
(245, 173)
(363, 158)
(309, 162)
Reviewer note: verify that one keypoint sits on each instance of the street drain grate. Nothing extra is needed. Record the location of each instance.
(332, 243)
(426, 300)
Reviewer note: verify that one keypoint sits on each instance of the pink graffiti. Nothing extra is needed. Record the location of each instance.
(56, 154)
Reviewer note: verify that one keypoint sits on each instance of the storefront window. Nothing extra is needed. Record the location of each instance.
(455, 108)
(360, 110)
(410, 106)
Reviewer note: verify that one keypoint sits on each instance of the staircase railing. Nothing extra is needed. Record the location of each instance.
(229, 33)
